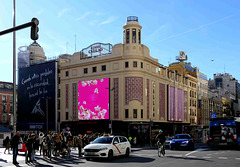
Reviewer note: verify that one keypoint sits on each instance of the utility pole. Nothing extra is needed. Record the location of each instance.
(14, 75)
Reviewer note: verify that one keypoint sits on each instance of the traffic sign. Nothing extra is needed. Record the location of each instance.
(213, 115)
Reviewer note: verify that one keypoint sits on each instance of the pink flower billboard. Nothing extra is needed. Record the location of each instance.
(93, 99)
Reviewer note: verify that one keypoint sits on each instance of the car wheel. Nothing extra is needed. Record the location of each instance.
(110, 155)
(87, 159)
(127, 153)
(171, 147)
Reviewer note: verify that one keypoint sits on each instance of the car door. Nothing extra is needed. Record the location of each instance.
(123, 144)
(116, 146)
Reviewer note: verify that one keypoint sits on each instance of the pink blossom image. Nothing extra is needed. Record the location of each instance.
(93, 99)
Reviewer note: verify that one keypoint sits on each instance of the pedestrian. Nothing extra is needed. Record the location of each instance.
(14, 144)
(50, 143)
(44, 147)
(35, 146)
(41, 135)
(6, 143)
(29, 149)
(79, 145)
(69, 140)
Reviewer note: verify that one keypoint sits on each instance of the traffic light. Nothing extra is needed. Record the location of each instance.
(34, 29)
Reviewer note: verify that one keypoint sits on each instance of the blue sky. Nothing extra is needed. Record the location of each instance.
(206, 29)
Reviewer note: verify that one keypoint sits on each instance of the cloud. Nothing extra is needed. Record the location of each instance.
(196, 28)
(63, 11)
(83, 16)
(109, 20)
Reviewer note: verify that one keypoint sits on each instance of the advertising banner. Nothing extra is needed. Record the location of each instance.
(93, 99)
(36, 97)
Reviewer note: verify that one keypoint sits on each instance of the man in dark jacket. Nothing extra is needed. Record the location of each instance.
(14, 145)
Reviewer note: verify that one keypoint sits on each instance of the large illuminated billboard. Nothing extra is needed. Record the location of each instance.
(37, 97)
(93, 99)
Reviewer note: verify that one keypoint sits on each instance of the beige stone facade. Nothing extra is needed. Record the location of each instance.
(143, 89)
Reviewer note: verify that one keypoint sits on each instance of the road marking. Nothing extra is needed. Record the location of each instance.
(191, 156)
(209, 154)
(237, 158)
(191, 153)
(222, 157)
(207, 157)
(175, 155)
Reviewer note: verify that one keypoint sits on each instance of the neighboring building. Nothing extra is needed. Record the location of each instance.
(228, 87)
(203, 109)
(6, 104)
(142, 92)
(185, 69)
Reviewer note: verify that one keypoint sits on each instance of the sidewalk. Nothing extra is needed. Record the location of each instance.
(6, 159)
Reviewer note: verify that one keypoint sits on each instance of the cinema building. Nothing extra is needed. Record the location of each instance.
(141, 94)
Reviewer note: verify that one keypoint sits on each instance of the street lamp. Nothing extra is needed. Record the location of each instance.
(46, 98)
(110, 115)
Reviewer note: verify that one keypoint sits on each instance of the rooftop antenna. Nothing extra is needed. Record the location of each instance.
(224, 68)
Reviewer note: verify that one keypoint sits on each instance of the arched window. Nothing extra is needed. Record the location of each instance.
(127, 36)
(139, 36)
(133, 35)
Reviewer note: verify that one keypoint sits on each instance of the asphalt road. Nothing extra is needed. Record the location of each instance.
(141, 157)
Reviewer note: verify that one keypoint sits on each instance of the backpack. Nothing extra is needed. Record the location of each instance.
(4, 142)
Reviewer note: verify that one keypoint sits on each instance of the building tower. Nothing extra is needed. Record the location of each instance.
(36, 53)
(132, 31)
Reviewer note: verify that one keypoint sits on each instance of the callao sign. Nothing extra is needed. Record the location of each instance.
(95, 49)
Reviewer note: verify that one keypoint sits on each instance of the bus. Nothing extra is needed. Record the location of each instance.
(224, 132)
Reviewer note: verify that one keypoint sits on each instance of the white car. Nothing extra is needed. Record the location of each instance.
(107, 147)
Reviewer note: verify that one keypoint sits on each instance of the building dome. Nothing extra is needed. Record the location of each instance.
(36, 53)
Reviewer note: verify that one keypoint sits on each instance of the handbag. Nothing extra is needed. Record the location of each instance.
(19, 146)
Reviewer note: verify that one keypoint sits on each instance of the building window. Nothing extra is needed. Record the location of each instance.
(58, 92)
(59, 117)
(126, 64)
(4, 120)
(141, 113)
(133, 35)
(139, 36)
(85, 70)
(134, 113)
(4, 108)
(11, 99)
(141, 64)
(4, 98)
(58, 104)
(127, 36)
(124, 36)
(134, 63)
(94, 69)
(126, 113)
(11, 108)
(66, 73)
(59, 80)
(66, 115)
(104, 68)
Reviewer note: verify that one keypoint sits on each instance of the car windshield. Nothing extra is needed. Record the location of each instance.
(104, 140)
(182, 137)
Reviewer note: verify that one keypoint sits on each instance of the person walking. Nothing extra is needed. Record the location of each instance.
(79, 145)
(50, 143)
(29, 149)
(6, 143)
(14, 145)
(41, 135)
(44, 147)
